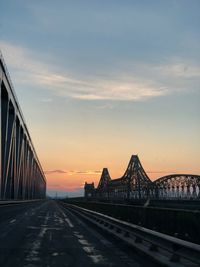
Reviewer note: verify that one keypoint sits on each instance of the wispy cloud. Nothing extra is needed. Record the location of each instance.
(72, 172)
(55, 171)
(179, 69)
(141, 81)
(45, 100)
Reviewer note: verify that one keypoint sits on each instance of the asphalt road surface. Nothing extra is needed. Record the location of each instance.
(47, 234)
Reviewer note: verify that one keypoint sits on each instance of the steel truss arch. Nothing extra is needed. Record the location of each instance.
(135, 184)
(182, 186)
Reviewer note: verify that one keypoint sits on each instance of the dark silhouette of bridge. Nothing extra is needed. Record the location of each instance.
(21, 175)
(135, 184)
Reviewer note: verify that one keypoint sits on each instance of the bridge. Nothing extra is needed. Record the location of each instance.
(38, 232)
(21, 175)
(135, 184)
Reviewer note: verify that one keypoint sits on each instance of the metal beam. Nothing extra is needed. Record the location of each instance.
(21, 173)
(135, 184)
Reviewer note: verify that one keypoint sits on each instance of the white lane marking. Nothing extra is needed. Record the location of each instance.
(83, 242)
(79, 236)
(61, 220)
(55, 254)
(105, 242)
(67, 220)
(97, 258)
(42, 232)
(33, 253)
(12, 221)
(93, 232)
(89, 249)
(92, 253)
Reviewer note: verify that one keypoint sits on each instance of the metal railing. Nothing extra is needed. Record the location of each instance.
(18, 202)
(161, 248)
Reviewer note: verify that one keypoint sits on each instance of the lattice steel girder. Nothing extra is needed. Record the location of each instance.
(21, 175)
(135, 183)
(178, 185)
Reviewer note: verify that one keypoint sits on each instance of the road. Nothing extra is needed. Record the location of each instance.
(47, 234)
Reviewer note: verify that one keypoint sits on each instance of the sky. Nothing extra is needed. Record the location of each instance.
(98, 81)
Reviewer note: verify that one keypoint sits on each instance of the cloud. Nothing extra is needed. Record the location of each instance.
(161, 171)
(179, 69)
(140, 82)
(106, 106)
(72, 172)
(46, 100)
(86, 172)
(55, 171)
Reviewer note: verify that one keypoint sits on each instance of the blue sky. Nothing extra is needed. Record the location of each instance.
(101, 80)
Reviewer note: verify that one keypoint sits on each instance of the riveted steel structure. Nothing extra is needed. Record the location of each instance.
(177, 186)
(135, 184)
(22, 176)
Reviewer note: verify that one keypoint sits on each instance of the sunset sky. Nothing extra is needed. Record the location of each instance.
(98, 81)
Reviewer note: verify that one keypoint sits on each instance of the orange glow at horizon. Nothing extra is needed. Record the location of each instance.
(71, 181)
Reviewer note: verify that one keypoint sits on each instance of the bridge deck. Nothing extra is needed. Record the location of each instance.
(48, 235)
